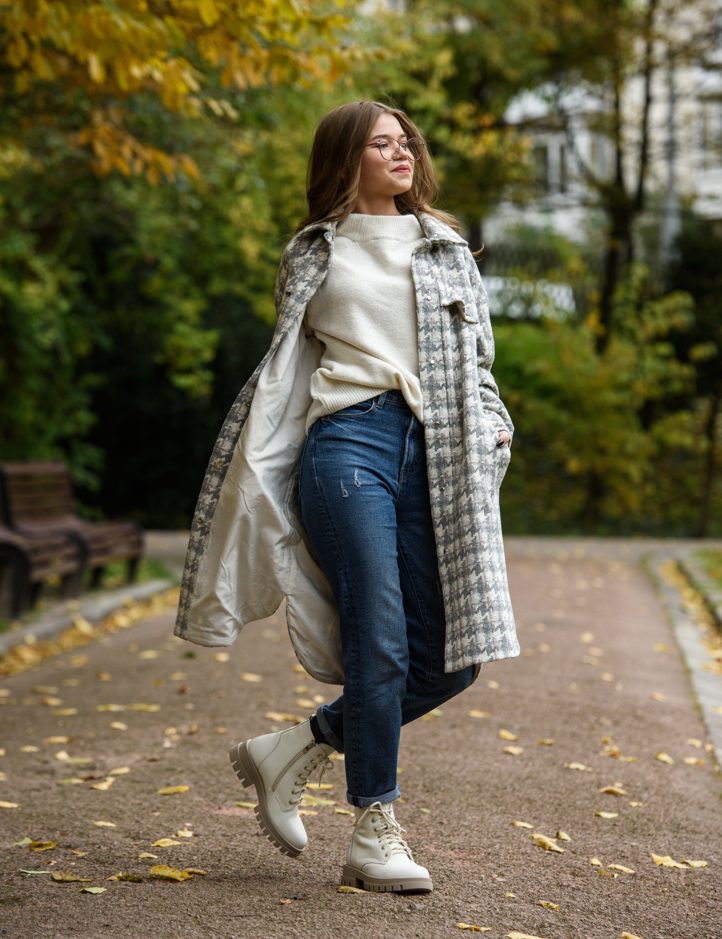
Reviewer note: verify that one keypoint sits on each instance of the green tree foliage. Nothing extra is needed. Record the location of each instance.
(580, 416)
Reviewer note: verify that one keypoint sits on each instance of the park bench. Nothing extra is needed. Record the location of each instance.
(27, 563)
(37, 498)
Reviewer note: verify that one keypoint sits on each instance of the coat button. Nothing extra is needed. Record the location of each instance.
(437, 423)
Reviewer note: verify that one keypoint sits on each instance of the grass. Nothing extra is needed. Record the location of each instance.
(711, 560)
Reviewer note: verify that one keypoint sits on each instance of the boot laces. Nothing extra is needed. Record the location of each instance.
(316, 758)
(389, 831)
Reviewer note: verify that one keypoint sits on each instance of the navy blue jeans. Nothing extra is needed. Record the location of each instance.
(364, 504)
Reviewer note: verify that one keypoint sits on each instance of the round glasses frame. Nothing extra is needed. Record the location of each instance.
(390, 148)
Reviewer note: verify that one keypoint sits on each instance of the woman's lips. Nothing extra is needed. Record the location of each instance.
(402, 169)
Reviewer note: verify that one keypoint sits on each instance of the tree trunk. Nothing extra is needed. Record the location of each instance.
(710, 466)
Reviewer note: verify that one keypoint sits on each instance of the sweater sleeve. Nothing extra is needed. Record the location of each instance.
(488, 388)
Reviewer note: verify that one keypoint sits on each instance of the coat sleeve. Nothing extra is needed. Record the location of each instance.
(488, 389)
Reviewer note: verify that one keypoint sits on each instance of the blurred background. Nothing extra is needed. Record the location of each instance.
(152, 168)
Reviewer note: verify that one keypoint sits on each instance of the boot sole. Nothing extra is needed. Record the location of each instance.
(355, 878)
(246, 771)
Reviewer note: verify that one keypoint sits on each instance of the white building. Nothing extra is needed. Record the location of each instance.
(685, 148)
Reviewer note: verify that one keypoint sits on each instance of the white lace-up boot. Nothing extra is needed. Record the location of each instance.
(279, 765)
(379, 858)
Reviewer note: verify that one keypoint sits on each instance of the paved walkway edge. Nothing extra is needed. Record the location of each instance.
(704, 585)
(705, 685)
(92, 609)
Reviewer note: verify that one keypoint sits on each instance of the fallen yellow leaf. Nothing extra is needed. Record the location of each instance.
(221, 656)
(693, 761)
(68, 877)
(695, 863)
(631, 935)
(146, 856)
(163, 872)
(172, 790)
(622, 868)
(548, 905)
(164, 843)
(119, 725)
(150, 708)
(343, 812)
(549, 844)
(9, 805)
(104, 785)
(284, 716)
(472, 927)
(664, 757)
(664, 860)
(105, 824)
(581, 767)
(42, 845)
(518, 824)
(563, 836)
(125, 875)
(476, 713)
(508, 735)
(607, 814)
(513, 750)
(546, 742)
(308, 799)
(246, 805)
(184, 833)
(613, 790)
(521, 935)
(344, 888)
(595, 862)
(119, 771)
(93, 890)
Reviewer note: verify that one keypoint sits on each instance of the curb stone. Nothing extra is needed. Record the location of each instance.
(93, 609)
(704, 585)
(706, 686)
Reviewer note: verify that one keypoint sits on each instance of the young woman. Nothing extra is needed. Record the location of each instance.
(357, 475)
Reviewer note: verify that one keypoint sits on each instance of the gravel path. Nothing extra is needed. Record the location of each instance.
(600, 686)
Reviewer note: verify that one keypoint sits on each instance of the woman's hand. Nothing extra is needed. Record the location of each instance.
(502, 438)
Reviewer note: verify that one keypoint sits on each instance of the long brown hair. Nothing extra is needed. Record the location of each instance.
(334, 166)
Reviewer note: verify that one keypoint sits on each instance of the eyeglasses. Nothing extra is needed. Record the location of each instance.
(390, 148)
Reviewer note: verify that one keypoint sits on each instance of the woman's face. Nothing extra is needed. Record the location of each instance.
(380, 178)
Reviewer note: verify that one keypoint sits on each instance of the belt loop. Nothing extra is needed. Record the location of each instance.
(381, 400)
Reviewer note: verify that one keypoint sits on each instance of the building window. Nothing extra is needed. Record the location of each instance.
(540, 155)
(563, 170)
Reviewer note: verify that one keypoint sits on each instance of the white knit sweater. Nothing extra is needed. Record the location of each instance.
(364, 313)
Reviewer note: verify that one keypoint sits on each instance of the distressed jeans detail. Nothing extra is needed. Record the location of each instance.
(364, 503)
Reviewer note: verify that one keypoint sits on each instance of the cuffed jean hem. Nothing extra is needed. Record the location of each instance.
(328, 735)
(363, 802)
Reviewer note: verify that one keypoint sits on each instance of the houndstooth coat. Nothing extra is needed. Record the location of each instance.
(247, 549)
